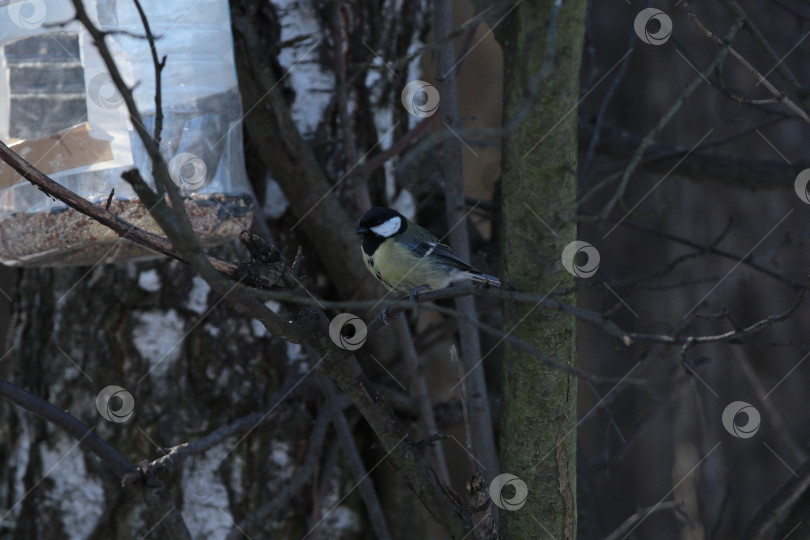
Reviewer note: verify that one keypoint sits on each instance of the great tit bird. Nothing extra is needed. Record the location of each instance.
(406, 258)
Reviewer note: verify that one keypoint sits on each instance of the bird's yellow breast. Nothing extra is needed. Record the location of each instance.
(399, 269)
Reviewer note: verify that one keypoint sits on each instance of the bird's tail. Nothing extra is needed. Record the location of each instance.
(480, 277)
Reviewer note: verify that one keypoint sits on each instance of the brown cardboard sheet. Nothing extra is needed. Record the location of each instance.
(69, 149)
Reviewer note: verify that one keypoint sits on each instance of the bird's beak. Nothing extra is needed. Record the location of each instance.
(362, 230)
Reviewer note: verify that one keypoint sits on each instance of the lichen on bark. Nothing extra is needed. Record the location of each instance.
(538, 439)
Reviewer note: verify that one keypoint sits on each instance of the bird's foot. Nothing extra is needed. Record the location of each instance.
(415, 292)
(386, 318)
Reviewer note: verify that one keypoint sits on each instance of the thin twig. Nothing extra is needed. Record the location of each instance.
(664, 120)
(177, 454)
(784, 70)
(302, 477)
(713, 250)
(469, 336)
(340, 61)
(158, 64)
(732, 171)
(600, 116)
(420, 390)
(778, 94)
(463, 398)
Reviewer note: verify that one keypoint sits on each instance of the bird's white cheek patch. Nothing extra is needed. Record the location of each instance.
(388, 228)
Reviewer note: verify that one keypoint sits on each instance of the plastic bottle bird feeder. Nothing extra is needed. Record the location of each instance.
(60, 110)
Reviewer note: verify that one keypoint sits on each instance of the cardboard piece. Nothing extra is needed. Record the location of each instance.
(71, 148)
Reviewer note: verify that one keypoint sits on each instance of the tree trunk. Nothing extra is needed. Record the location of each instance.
(538, 441)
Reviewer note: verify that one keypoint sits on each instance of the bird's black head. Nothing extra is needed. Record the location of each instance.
(381, 222)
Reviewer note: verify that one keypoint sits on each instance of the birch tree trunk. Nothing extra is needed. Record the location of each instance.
(191, 363)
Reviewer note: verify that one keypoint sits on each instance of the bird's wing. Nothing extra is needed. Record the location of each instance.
(441, 252)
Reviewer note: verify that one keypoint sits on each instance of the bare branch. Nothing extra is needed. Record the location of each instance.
(419, 388)
(470, 340)
(177, 454)
(778, 94)
(158, 498)
(88, 439)
(777, 507)
(732, 171)
(364, 483)
(665, 118)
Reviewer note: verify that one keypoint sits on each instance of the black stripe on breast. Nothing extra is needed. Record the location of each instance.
(371, 242)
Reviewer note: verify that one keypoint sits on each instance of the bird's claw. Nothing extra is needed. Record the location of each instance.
(386, 318)
(415, 292)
